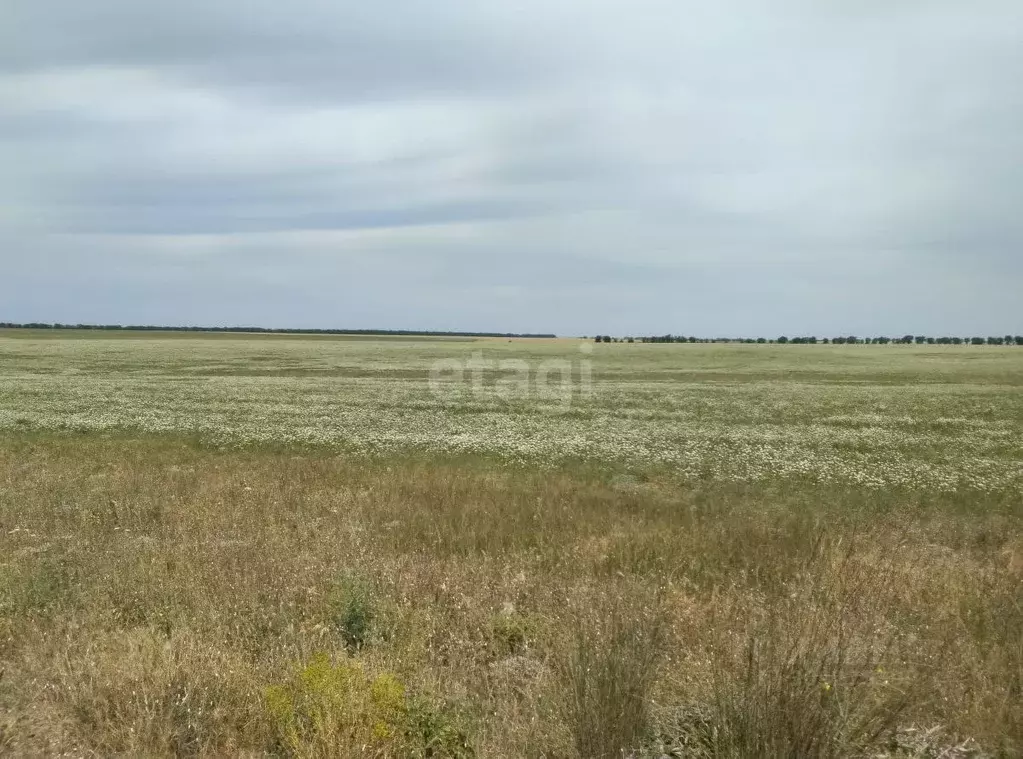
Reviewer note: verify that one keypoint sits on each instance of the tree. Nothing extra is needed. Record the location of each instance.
(783, 339)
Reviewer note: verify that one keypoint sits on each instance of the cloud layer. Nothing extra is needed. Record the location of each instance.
(737, 168)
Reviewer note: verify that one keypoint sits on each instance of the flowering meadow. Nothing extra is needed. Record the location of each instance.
(290, 546)
(917, 417)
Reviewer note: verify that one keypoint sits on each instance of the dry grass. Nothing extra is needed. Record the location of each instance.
(159, 598)
(609, 675)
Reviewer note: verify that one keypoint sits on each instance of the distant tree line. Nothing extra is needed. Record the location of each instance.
(909, 340)
(609, 339)
(669, 338)
(266, 330)
(841, 340)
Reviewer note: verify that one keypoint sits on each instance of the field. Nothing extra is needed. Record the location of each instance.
(227, 544)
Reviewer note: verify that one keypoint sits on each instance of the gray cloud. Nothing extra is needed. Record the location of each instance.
(733, 168)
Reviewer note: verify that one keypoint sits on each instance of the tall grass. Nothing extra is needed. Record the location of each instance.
(819, 671)
(609, 675)
(153, 592)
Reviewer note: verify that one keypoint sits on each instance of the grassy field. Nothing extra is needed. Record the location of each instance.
(224, 545)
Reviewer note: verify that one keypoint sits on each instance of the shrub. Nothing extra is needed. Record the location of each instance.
(328, 710)
(433, 733)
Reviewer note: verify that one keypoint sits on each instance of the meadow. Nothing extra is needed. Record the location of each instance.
(277, 545)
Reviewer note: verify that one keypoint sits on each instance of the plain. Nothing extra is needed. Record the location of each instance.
(253, 545)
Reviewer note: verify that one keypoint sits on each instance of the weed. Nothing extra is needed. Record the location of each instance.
(353, 610)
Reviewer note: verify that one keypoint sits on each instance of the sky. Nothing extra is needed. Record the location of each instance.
(727, 168)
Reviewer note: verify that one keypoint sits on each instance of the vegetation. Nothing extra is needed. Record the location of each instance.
(235, 547)
(841, 340)
(262, 330)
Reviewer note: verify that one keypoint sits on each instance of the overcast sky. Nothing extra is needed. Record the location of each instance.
(574, 166)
